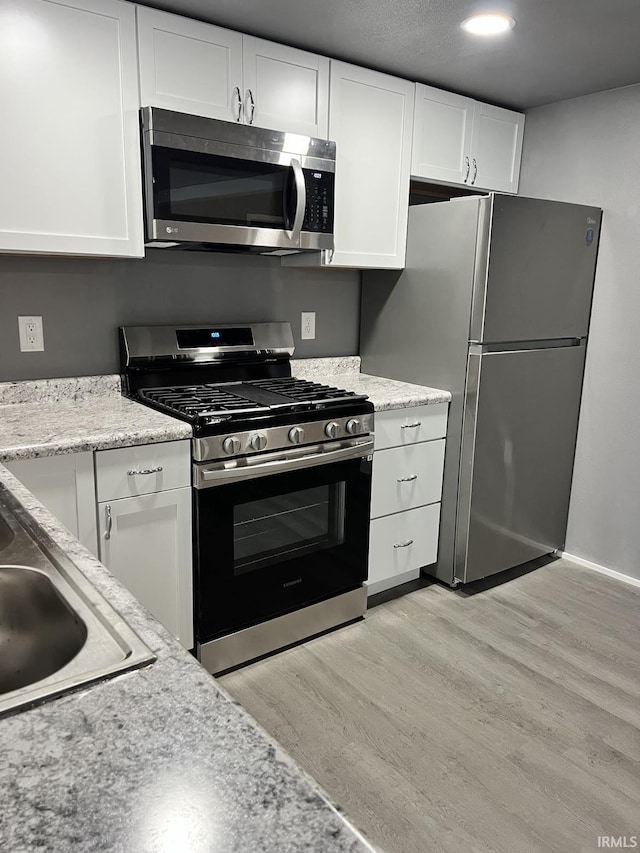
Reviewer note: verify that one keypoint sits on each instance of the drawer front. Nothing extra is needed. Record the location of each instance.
(407, 477)
(400, 427)
(142, 470)
(401, 543)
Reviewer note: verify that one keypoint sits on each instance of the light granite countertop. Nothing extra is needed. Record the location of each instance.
(383, 393)
(48, 417)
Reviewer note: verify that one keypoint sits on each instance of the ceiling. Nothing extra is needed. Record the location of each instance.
(558, 49)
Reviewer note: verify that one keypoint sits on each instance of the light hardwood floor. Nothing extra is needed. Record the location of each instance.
(508, 720)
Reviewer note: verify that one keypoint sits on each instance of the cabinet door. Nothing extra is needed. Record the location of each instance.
(189, 66)
(65, 486)
(371, 121)
(289, 88)
(145, 542)
(406, 477)
(400, 545)
(441, 135)
(70, 166)
(496, 148)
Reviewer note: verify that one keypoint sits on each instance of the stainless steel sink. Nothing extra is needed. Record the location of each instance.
(6, 534)
(56, 631)
(38, 630)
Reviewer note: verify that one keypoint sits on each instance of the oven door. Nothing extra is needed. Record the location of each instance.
(268, 544)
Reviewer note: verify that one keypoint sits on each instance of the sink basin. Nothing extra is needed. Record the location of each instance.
(39, 632)
(6, 534)
(56, 631)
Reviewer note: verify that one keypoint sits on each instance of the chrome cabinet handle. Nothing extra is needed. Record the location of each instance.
(407, 479)
(404, 544)
(475, 170)
(107, 533)
(134, 473)
(411, 426)
(248, 96)
(301, 200)
(466, 177)
(238, 97)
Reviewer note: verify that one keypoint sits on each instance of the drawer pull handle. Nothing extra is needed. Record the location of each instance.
(134, 473)
(408, 479)
(404, 544)
(414, 425)
(107, 533)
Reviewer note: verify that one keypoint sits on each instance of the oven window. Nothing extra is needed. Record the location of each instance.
(278, 528)
(208, 188)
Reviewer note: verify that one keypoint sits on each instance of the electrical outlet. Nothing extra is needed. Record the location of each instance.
(31, 334)
(308, 325)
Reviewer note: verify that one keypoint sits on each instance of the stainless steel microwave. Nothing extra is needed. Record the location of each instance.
(217, 185)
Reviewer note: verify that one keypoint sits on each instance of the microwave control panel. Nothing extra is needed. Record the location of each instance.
(318, 214)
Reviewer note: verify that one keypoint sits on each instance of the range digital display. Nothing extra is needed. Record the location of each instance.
(220, 337)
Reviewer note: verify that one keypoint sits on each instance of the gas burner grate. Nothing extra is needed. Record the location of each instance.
(198, 401)
(305, 391)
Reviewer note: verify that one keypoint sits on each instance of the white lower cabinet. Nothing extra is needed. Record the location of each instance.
(400, 545)
(131, 507)
(65, 485)
(145, 541)
(407, 477)
(408, 465)
(144, 526)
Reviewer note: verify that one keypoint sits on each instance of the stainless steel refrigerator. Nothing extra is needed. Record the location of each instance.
(493, 305)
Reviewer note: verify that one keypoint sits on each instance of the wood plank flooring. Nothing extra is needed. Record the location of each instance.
(505, 721)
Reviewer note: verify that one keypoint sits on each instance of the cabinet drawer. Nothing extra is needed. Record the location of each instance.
(407, 477)
(399, 545)
(128, 471)
(399, 427)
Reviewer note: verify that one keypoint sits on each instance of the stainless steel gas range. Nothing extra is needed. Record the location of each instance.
(281, 483)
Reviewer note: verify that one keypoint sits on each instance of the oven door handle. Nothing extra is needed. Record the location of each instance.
(214, 476)
(301, 200)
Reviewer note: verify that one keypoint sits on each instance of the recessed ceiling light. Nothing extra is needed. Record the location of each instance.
(488, 25)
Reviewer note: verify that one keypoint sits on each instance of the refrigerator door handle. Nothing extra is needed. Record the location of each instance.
(521, 346)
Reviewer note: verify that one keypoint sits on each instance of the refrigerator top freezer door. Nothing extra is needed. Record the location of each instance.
(535, 271)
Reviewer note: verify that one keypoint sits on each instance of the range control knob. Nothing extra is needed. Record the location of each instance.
(331, 429)
(259, 441)
(296, 435)
(353, 426)
(231, 445)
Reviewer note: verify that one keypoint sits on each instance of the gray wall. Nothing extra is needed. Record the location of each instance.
(83, 301)
(586, 150)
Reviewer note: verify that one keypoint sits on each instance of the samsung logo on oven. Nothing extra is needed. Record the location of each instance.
(292, 583)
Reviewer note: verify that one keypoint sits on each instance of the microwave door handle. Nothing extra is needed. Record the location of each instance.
(301, 200)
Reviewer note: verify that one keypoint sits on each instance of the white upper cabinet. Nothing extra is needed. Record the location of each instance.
(370, 120)
(189, 66)
(70, 165)
(457, 140)
(285, 88)
(496, 148)
(198, 68)
(441, 135)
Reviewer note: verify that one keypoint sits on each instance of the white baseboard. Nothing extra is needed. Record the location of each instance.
(596, 567)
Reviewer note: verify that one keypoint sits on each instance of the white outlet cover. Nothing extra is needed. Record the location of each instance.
(31, 334)
(308, 325)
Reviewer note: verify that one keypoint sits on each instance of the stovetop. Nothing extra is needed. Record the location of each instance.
(216, 407)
